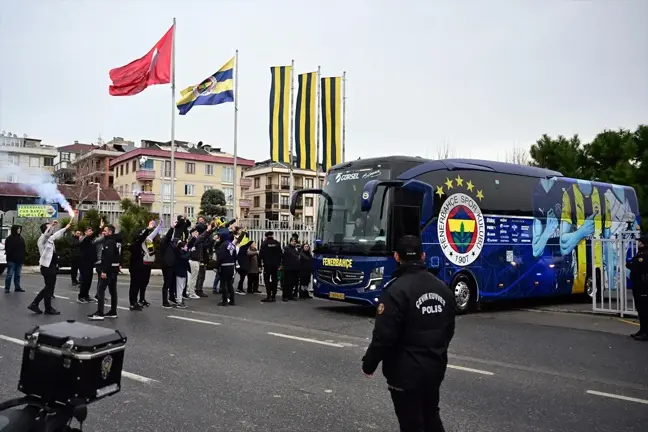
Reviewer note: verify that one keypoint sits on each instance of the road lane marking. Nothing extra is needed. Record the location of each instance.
(193, 320)
(123, 308)
(125, 374)
(615, 396)
(315, 341)
(56, 296)
(629, 322)
(466, 369)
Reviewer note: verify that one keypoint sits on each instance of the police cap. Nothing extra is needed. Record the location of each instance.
(409, 248)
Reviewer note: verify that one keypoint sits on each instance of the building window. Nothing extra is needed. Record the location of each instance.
(257, 201)
(13, 178)
(269, 181)
(190, 190)
(65, 157)
(257, 183)
(207, 187)
(167, 168)
(284, 218)
(309, 183)
(189, 212)
(48, 161)
(147, 165)
(34, 162)
(309, 220)
(285, 181)
(116, 173)
(209, 169)
(134, 188)
(124, 164)
(121, 190)
(166, 191)
(126, 188)
(228, 175)
(14, 159)
(229, 195)
(308, 202)
(121, 169)
(134, 166)
(190, 168)
(284, 200)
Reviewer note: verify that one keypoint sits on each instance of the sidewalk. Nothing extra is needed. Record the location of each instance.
(36, 270)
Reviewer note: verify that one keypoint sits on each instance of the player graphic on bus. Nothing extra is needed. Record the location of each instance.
(546, 197)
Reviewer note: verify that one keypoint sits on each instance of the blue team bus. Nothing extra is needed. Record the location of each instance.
(490, 230)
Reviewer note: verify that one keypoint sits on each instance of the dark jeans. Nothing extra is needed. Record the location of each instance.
(111, 283)
(290, 284)
(168, 286)
(641, 304)
(227, 284)
(270, 280)
(200, 281)
(49, 276)
(75, 271)
(139, 279)
(216, 280)
(418, 410)
(253, 282)
(86, 281)
(242, 275)
(14, 270)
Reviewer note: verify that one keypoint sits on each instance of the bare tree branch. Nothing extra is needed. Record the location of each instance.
(445, 151)
(517, 155)
(82, 189)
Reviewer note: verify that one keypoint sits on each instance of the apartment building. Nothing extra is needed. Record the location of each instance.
(26, 153)
(94, 166)
(145, 175)
(64, 170)
(269, 195)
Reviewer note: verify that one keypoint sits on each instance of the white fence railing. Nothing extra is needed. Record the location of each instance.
(282, 235)
(608, 274)
(265, 224)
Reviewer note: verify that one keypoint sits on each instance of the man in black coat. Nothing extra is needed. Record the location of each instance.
(88, 254)
(75, 257)
(415, 322)
(15, 250)
(270, 258)
(291, 268)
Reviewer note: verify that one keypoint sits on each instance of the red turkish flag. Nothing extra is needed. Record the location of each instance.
(153, 68)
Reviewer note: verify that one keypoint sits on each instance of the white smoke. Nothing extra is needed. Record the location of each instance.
(35, 180)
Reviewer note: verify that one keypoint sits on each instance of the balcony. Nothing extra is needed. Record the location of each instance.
(270, 206)
(245, 203)
(246, 183)
(145, 174)
(146, 197)
(272, 187)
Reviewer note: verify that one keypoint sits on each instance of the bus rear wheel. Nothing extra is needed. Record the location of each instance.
(465, 292)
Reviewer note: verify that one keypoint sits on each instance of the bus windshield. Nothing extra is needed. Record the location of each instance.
(351, 231)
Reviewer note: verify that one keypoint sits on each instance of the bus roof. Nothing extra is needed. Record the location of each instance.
(426, 165)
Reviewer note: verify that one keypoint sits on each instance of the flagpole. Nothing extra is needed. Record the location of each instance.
(292, 134)
(173, 115)
(317, 135)
(343, 115)
(236, 96)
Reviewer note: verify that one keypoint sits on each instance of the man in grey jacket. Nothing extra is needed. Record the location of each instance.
(48, 266)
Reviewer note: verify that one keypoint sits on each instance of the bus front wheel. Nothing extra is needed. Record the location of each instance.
(465, 292)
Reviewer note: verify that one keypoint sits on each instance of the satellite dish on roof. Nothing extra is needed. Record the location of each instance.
(191, 145)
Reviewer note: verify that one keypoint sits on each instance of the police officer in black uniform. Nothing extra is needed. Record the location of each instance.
(415, 323)
(270, 256)
(638, 267)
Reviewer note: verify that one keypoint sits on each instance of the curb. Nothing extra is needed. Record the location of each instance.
(36, 270)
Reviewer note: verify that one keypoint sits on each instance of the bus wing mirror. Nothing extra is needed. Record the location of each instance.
(428, 198)
(298, 194)
(370, 189)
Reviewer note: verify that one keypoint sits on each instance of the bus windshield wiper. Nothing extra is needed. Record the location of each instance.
(341, 245)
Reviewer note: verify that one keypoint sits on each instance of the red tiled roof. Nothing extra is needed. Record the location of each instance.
(181, 156)
(17, 190)
(72, 148)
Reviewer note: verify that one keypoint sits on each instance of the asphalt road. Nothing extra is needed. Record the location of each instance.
(296, 367)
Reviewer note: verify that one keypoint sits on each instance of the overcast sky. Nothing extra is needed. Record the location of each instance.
(482, 76)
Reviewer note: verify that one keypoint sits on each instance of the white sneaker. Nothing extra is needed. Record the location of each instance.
(194, 296)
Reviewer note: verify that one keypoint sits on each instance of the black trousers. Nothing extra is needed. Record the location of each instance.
(270, 280)
(111, 283)
(227, 284)
(49, 277)
(242, 275)
(168, 285)
(641, 304)
(418, 410)
(253, 282)
(290, 284)
(75, 270)
(140, 276)
(200, 281)
(86, 280)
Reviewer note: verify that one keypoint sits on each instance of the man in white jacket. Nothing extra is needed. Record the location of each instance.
(48, 266)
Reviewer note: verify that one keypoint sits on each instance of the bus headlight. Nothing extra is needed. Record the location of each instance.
(375, 278)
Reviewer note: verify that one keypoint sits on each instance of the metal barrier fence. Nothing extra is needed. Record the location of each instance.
(609, 275)
(282, 235)
(265, 224)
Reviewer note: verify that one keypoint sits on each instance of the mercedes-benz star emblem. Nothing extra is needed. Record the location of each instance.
(337, 277)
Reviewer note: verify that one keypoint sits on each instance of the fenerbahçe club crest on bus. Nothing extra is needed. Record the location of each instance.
(460, 227)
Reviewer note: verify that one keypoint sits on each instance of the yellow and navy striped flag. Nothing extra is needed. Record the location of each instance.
(331, 122)
(280, 113)
(215, 90)
(305, 138)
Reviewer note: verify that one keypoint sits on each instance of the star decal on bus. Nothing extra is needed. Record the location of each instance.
(480, 195)
(448, 183)
(439, 191)
(470, 185)
(459, 181)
